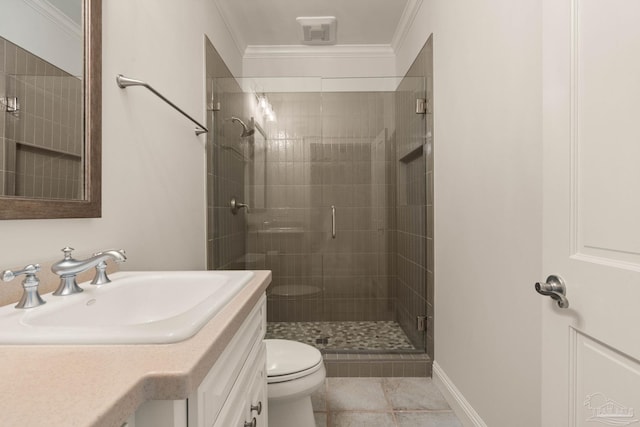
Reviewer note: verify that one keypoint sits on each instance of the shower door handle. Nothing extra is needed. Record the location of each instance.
(333, 221)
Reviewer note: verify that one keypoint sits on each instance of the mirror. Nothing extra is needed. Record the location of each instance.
(50, 109)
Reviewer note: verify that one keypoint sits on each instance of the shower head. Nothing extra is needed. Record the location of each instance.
(245, 130)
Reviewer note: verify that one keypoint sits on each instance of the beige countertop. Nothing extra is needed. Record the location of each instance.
(102, 385)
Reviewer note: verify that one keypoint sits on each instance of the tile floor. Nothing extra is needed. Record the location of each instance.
(381, 402)
(344, 335)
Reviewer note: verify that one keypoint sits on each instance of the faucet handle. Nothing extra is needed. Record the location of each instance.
(30, 297)
(101, 277)
(101, 274)
(29, 270)
(67, 252)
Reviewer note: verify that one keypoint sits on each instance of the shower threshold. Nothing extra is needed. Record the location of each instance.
(346, 336)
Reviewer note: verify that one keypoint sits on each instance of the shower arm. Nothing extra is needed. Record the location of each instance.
(124, 82)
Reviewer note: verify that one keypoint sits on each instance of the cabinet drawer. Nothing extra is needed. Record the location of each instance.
(257, 395)
(249, 390)
(216, 386)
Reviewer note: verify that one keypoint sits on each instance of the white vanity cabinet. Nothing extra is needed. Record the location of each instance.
(246, 405)
(232, 394)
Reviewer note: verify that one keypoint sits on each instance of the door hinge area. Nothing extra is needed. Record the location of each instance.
(9, 104)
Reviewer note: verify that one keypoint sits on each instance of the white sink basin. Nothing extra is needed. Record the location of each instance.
(135, 308)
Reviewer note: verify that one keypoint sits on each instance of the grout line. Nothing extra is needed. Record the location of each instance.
(389, 410)
(395, 420)
(384, 382)
(326, 397)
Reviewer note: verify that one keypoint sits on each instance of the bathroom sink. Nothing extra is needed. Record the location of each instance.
(135, 308)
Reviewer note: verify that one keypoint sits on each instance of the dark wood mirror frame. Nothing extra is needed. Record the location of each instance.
(91, 205)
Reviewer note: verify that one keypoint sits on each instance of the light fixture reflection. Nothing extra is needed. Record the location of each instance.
(266, 108)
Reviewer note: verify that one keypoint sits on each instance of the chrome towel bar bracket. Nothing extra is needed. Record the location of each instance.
(124, 82)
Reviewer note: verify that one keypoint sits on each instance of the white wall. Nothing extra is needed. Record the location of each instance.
(487, 89)
(153, 164)
(319, 61)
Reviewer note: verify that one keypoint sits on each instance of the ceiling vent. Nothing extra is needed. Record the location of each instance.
(317, 30)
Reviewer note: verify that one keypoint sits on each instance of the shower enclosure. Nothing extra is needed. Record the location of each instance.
(335, 178)
(326, 222)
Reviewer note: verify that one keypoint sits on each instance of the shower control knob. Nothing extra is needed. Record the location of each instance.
(236, 206)
(252, 423)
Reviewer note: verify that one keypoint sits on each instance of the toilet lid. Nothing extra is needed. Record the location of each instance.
(285, 357)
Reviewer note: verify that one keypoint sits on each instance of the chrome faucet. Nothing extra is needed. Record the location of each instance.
(69, 267)
(30, 297)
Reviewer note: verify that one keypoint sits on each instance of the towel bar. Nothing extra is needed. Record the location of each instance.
(124, 82)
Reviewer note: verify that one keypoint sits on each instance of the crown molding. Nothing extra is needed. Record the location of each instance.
(304, 51)
(337, 51)
(406, 21)
(53, 14)
(236, 37)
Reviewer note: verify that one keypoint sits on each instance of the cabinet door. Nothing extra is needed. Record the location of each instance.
(207, 403)
(248, 399)
(235, 416)
(257, 406)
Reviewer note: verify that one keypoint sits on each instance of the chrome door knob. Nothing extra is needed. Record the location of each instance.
(555, 288)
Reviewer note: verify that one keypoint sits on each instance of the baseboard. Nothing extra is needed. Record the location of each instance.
(463, 410)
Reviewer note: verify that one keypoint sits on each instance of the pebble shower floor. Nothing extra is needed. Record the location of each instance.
(369, 336)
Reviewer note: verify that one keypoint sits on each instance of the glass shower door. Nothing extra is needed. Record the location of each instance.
(343, 154)
(361, 280)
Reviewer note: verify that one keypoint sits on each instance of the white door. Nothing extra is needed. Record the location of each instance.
(591, 133)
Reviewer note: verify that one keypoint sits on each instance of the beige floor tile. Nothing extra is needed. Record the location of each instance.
(319, 398)
(414, 394)
(362, 419)
(427, 419)
(363, 394)
(321, 419)
(367, 402)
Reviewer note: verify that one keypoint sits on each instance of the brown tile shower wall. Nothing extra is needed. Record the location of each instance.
(226, 233)
(328, 149)
(286, 229)
(41, 144)
(415, 201)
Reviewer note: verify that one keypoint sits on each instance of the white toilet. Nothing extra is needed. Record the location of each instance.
(294, 371)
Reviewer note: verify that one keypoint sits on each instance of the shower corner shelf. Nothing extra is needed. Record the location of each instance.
(412, 154)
